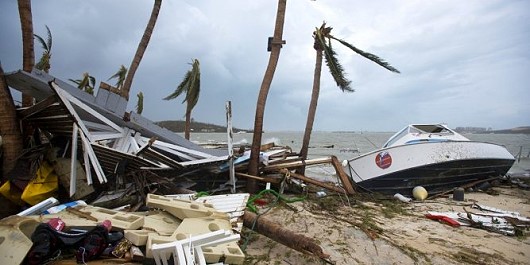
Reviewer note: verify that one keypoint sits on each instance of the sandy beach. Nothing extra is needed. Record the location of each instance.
(375, 231)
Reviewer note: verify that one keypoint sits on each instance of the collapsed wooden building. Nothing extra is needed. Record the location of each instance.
(111, 144)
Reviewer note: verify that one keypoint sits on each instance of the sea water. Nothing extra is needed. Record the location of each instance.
(346, 145)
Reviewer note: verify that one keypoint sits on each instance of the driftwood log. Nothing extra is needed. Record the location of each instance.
(282, 235)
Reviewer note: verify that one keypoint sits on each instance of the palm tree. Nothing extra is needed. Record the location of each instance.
(120, 75)
(192, 86)
(44, 62)
(322, 44)
(275, 47)
(10, 134)
(86, 83)
(142, 46)
(140, 103)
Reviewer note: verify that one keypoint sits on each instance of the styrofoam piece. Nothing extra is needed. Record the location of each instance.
(154, 238)
(198, 226)
(162, 222)
(39, 207)
(69, 218)
(183, 208)
(231, 252)
(15, 238)
(137, 237)
(120, 220)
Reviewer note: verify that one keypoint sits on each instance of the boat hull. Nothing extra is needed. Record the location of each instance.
(437, 166)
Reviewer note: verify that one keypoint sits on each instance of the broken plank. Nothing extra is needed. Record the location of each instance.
(297, 164)
(262, 179)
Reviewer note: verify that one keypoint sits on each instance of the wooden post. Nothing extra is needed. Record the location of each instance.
(230, 134)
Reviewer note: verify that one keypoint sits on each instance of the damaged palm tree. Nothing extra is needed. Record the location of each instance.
(44, 62)
(322, 44)
(191, 85)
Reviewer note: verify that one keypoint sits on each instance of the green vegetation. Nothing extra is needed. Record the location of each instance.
(178, 126)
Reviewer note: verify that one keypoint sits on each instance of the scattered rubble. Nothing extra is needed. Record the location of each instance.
(104, 184)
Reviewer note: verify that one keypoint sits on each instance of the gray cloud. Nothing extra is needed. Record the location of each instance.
(465, 64)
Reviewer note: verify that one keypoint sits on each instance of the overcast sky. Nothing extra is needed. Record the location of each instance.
(464, 63)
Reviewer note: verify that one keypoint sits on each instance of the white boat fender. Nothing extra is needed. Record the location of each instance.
(420, 193)
(402, 198)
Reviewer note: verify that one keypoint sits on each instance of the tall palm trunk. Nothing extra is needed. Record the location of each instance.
(276, 46)
(312, 109)
(187, 125)
(10, 131)
(142, 46)
(28, 53)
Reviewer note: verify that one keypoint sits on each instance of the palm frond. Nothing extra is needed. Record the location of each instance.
(180, 88)
(49, 42)
(92, 81)
(334, 66)
(41, 41)
(120, 75)
(191, 85)
(46, 45)
(75, 81)
(192, 96)
(140, 103)
(372, 57)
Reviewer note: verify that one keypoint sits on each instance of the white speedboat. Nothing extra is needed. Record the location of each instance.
(429, 155)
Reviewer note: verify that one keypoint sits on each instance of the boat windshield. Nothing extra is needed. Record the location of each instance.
(431, 128)
(396, 137)
(418, 130)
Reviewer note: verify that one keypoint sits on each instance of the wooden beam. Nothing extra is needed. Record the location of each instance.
(297, 164)
(347, 183)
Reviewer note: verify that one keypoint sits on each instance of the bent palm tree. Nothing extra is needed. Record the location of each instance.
(275, 47)
(86, 83)
(322, 44)
(120, 75)
(142, 46)
(191, 85)
(44, 62)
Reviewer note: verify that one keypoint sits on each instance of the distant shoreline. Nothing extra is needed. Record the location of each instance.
(200, 127)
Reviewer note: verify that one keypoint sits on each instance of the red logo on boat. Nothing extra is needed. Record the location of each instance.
(383, 160)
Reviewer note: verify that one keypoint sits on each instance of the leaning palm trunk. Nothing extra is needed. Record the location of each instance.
(10, 130)
(312, 110)
(276, 46)
(141, 49)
